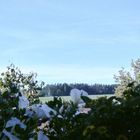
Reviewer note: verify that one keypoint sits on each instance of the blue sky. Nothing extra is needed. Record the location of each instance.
(70, 41)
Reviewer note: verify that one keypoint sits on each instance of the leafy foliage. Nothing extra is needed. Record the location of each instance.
(109, 118)
(113, 118)
(126, 78)
(13, 84)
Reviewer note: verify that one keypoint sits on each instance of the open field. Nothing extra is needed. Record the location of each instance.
(68, 98)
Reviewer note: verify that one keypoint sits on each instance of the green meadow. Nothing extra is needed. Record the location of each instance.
(68, 98)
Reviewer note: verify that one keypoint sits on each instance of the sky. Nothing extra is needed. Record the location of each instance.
(71, 41)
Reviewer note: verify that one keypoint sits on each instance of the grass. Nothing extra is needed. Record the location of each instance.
(68, 98)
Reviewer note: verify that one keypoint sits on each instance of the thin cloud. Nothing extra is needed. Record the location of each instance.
(70, 74)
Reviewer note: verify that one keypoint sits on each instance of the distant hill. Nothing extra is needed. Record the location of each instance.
(64, 89)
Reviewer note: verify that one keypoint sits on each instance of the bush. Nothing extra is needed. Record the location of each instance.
(23, 118)
(126, 78)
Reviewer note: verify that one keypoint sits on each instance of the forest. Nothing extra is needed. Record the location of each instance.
(64, 89)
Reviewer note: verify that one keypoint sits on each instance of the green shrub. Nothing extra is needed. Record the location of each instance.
(105, 118)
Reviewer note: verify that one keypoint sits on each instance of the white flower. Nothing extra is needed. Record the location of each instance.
(83, 111)
(9, 135)
(76, 95)
(40, 110)
(13, 122)
(83, 93)
(41, 136)
(61, 109)
(116, 102)
(60, 116)
(23, 102)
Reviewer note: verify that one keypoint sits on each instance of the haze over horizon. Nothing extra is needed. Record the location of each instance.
(70, 41)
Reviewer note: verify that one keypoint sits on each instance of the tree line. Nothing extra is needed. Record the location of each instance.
(64, 89)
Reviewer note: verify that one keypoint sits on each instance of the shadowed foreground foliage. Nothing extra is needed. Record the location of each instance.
(113, 118)
(109, 119)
